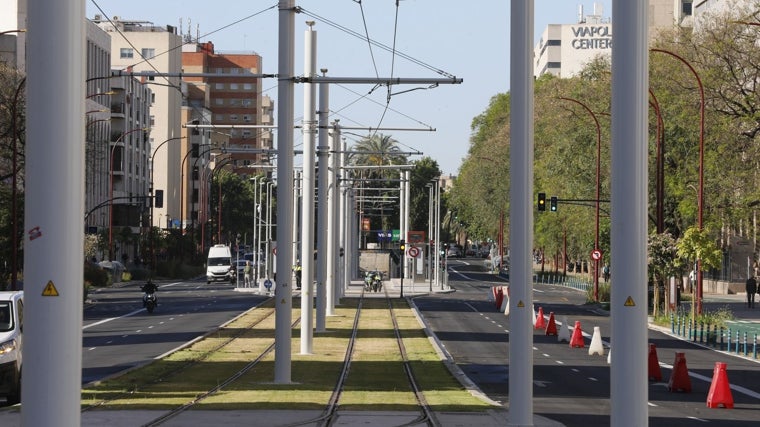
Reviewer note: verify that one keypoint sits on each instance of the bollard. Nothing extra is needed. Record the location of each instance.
(736, 343)
(728, 340)
(754, 347)
(701, 331)
(745, 343)
(715, 336)
(689, 336)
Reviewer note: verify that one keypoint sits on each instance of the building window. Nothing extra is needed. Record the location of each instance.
(126, 53)
(219, 117)
(233, 117)
(553, 65)
(219, 101)
(233, 86)
(247, 118)
(148, 53)
(219, 86)
(686, 8)
(246, 134)
(247, 86)
(554, 42)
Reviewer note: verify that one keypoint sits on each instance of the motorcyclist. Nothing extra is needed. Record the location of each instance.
(149, 288)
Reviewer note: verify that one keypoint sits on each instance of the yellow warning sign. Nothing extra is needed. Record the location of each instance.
(520, 304)
(50, 290)
(629, 302)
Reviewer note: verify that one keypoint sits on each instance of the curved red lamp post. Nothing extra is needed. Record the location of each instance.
(700, 191)
(598, 185)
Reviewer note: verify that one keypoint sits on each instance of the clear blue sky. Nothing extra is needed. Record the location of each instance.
(469, 40)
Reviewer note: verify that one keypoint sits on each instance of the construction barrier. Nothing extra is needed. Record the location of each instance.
(540, 322)
(720, 391)
(576, 341)
(596, 343)
(551, 326)
(679, 376)
(655, 374)
(564, 331)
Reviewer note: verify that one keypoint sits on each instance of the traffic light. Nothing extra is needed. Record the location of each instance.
(159, 198)
(402, 245)
(553, 204)
(541, 202)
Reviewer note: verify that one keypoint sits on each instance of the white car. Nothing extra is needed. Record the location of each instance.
(11, 341)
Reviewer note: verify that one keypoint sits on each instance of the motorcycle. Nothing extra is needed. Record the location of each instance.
(150, 301)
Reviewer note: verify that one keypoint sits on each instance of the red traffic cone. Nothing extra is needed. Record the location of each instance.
(720, 391)
(551, 327)
(655, 374)
(540, 322)
(577, 339)
(679, 377)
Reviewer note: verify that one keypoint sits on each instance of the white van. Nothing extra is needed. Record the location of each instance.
(11, 338)
(219, 265)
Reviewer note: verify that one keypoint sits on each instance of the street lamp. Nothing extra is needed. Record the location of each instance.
(152, 201)
(110, 187)
(598, 185)
(701, 194)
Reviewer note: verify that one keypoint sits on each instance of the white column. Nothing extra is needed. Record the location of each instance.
(323, 172)
(342, 218)
(53, 236)
(307, 200)
(628, 305)
(521, 215)
(283, 289)
(407, 201)
(331, 224)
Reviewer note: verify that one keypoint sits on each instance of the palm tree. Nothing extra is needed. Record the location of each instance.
(378, 150)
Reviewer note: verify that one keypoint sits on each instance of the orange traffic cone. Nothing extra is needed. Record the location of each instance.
(551, 327)
(540, 322)
(720, 391)
(577, 338)
(655, 374)
(679, 377)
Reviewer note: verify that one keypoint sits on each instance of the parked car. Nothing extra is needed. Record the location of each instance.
(11, 343)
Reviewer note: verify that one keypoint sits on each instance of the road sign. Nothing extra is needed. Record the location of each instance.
(596, 254)
(413, 251)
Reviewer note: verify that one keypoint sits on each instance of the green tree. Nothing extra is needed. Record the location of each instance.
(699, 245)
(663, 262)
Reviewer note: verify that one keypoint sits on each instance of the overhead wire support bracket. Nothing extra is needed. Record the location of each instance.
(377, 80)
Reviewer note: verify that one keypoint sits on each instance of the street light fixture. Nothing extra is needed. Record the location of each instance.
(700, 191)
(110, 187)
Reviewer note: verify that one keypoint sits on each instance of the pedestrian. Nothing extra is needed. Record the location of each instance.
(606, 272)
(247, 274)
(297, 270)
(751, 288)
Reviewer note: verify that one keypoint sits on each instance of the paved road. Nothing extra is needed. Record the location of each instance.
(119, 334)
(569, 385)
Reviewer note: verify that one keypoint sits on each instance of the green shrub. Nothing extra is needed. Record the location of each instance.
(604, 293)
(96, 276)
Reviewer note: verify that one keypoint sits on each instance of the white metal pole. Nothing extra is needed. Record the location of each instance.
(401, 217)
(628, 305)
(268, 246)
(430, 237)
(343, 218)
(322, 172)
(255, 221)
(407, 200)
(54, 197)
(331, 224)
(259, 233)
(296, 219)
(521, 215)
(307, 200)
(283, 292)
(438, 243)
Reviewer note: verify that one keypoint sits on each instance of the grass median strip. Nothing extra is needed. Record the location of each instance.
(376, 380)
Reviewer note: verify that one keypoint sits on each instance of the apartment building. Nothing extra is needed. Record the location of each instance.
(141, 46)
(237, 105)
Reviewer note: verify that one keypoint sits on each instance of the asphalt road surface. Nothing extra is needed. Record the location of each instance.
(118, 334)
(569, 385)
